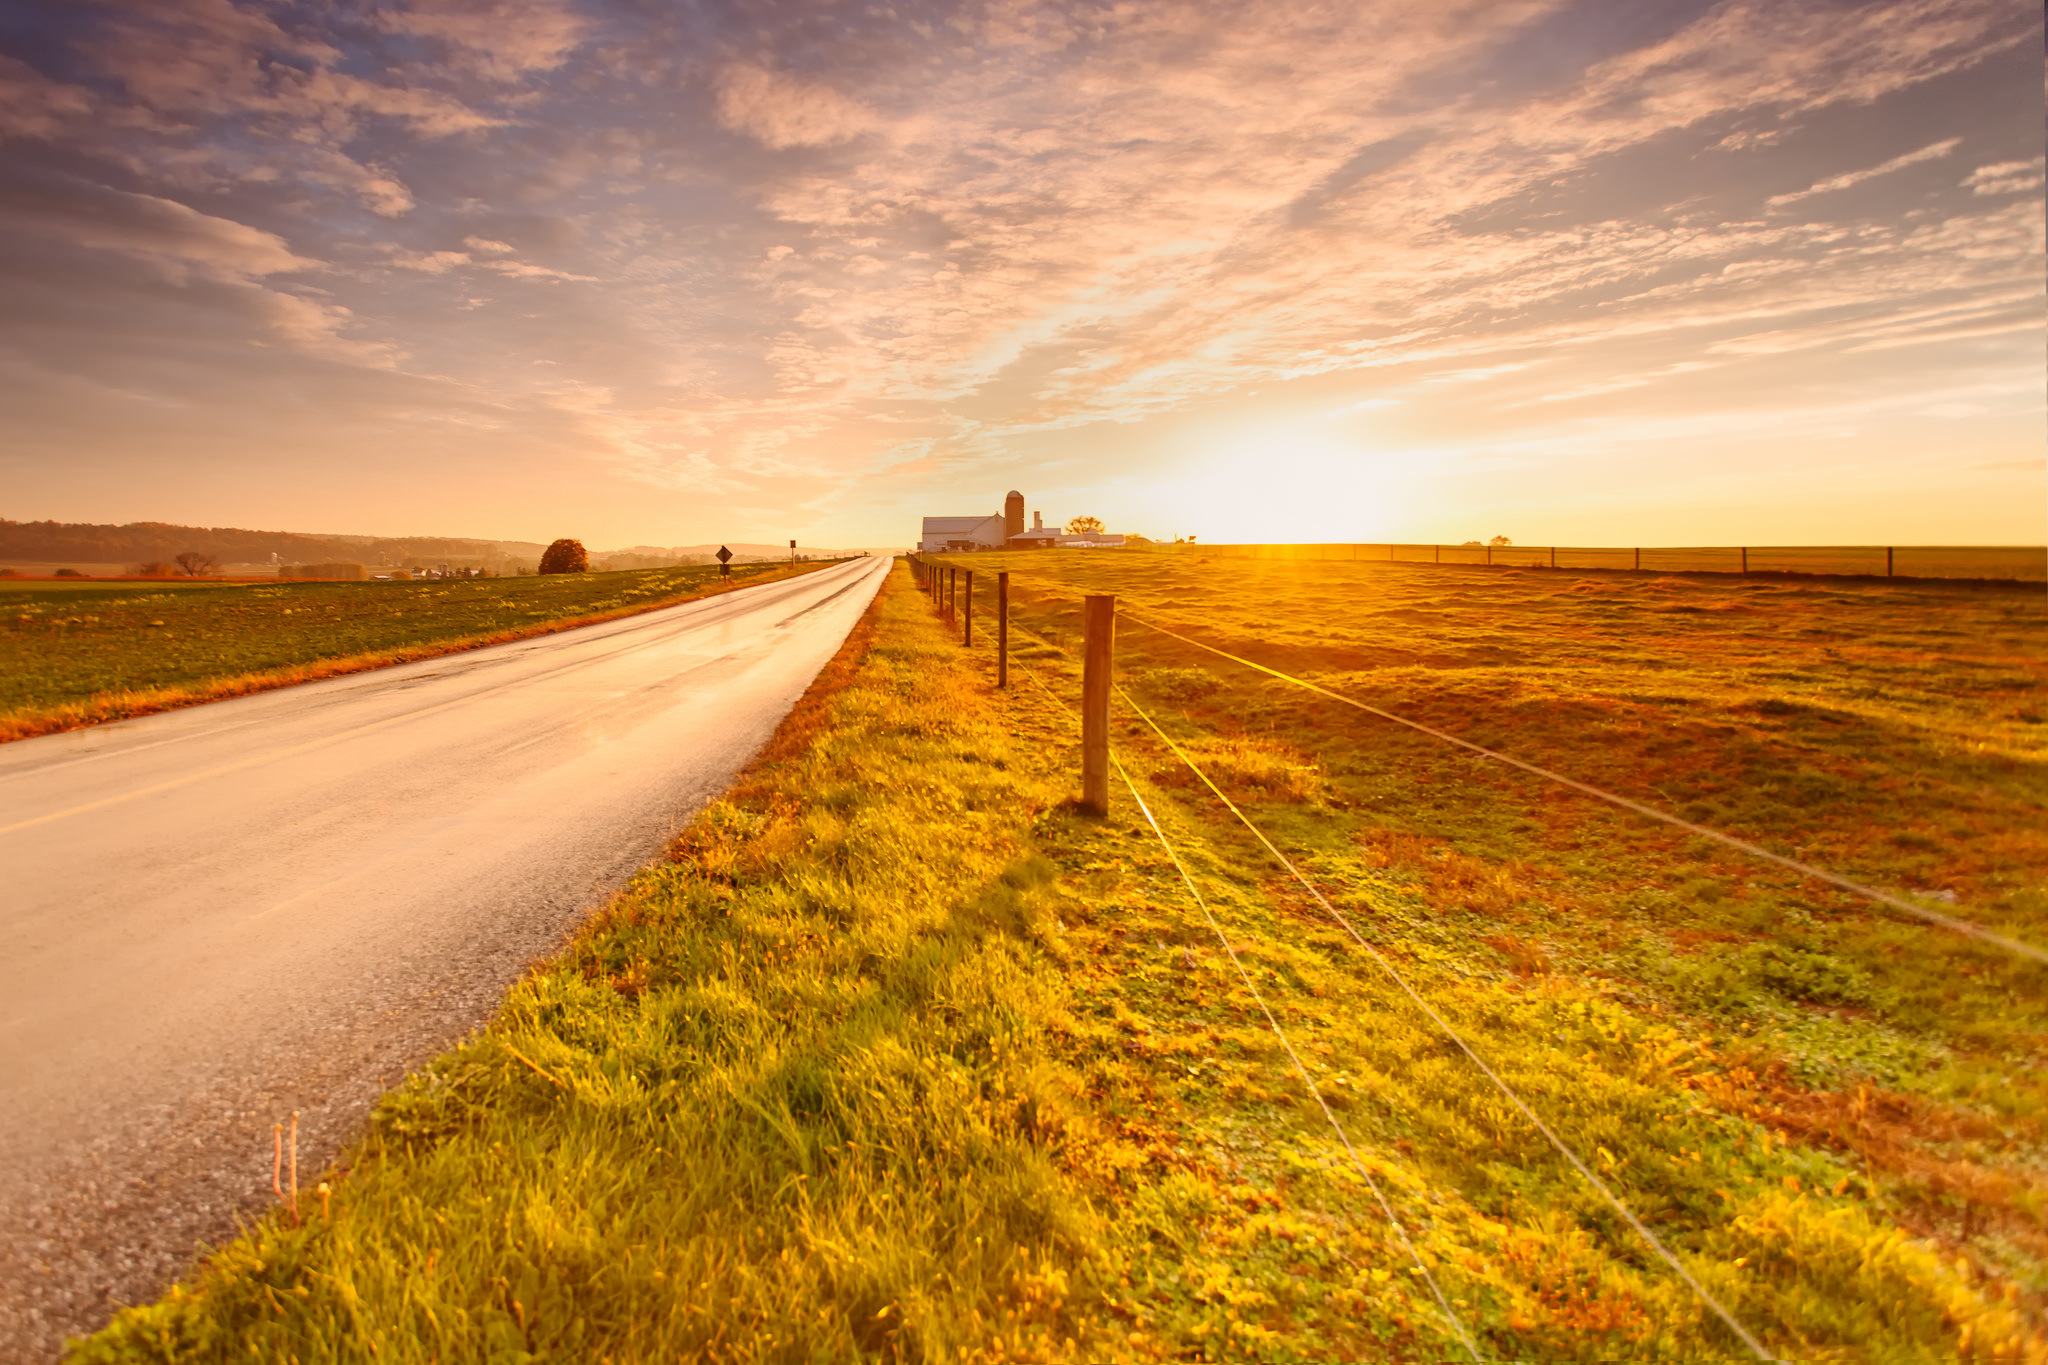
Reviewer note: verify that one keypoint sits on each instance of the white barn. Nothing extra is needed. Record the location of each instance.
(961, 533)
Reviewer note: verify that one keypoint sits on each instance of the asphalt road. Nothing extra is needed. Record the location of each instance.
(214, 917)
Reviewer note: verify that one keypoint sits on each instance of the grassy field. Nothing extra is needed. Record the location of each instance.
(899, 1058)
(77, 652)
(2020, 563)
(1892, 733)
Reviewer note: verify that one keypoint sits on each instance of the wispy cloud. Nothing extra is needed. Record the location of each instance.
(767, 247)
(1930, 152)
(2006, 177)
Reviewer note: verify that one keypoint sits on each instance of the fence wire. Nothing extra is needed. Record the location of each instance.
(1294, 1057)
(1613, 1200)
(1885, 898)
(1649, 1238)
(1926, 914)
(1571, 1157)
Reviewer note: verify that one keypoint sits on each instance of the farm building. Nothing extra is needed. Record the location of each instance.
(1004, 530)
(1043, 537)
(961, 533)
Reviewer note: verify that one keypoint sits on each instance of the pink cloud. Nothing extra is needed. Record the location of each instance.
(502, 40)
(780, 111)
(34, 106)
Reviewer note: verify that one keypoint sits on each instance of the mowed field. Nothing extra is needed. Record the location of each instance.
(79, 651)
(899, 1057)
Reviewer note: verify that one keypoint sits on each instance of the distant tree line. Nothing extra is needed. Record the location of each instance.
(147, 542)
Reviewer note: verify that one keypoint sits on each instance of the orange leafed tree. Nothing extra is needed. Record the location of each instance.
(565, 556)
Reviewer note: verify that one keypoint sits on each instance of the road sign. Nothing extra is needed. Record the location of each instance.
(724, 555)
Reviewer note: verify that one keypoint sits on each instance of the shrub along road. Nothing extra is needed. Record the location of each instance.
(221, 915)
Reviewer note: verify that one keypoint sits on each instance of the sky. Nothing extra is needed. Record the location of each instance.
(1592, 272)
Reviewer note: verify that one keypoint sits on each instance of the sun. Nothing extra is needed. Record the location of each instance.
(1293, 483)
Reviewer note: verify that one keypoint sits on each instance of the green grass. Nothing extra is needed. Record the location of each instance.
(899, 1058)
(75, 653)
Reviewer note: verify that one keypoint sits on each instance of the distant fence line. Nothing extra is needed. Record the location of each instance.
(351, 572)
(2018, 563)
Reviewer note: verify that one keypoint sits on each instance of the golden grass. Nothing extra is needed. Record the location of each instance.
(900, 1059)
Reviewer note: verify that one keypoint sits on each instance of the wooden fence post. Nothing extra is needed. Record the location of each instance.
(1553, 556)
(1098, 656)
(1489, 556)
(1003, 629)
(1887, 561)
(1439, 553)
(968, 615)
(1745, 559)
(1639, 557)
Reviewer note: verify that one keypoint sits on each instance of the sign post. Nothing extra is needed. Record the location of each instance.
(724, 562)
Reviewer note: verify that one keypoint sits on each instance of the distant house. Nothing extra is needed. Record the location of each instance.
(1043, 537)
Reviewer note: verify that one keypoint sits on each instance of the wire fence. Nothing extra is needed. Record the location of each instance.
(1564, 1149)
(1299, 1068)
(1578, 1164)
(2000, 563)
(1875, 895)
(1380, 960)
(1871, 893)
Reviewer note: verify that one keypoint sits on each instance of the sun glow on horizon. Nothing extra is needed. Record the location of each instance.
(1296, 482)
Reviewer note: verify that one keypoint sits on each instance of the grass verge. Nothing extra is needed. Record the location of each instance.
(83, 655)
(897, 1058)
